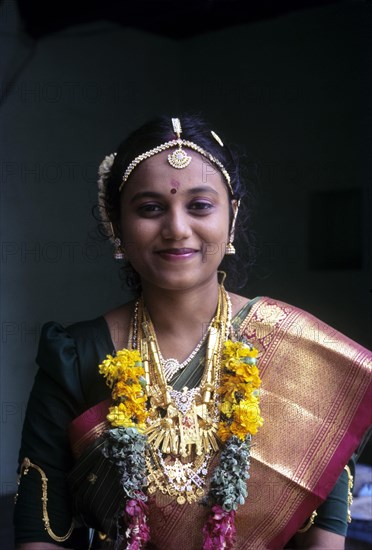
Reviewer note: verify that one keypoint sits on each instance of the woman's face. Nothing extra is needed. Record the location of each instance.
(175, 223)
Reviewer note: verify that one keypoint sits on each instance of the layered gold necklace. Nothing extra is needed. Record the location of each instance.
(182, 425)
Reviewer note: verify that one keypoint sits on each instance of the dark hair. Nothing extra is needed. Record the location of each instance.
(195, 129)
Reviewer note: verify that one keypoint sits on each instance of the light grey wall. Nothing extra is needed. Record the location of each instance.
(291, 91)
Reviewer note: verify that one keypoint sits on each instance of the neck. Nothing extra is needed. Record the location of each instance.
(181, 318)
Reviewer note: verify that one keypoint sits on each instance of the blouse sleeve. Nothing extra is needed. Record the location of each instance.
(333, 514)
(42, 511)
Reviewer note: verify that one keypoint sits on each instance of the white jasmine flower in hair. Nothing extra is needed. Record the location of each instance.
(106, 164)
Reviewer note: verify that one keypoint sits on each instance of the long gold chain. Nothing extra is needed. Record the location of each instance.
(182, 425)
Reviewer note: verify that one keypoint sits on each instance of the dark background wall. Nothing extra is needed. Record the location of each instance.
(292, 91)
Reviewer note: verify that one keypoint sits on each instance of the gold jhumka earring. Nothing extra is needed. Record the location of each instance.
(119, 253)
(230, 248)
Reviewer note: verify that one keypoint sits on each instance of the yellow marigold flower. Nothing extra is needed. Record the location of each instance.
(108, 370)
(124, 372)
(238, 430)
(223, 432)
(229, 346)
(246, 372)
(239, 390)
(246, 417)
(133, 391)
(238, 349)
(232, 386)
(128, 356)
(115, 367)
(226, 408)
(120, 415)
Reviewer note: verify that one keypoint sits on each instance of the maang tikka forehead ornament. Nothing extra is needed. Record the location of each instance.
(179, 158)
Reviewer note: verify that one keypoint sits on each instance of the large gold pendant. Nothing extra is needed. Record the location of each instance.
(186, 428)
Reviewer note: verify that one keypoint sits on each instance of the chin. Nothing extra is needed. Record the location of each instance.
(178, 283)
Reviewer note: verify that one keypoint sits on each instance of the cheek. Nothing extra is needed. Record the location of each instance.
(137, 235)
(222, 225)
(215, 240)
(130, 225)
(136, 247)
(221, 232)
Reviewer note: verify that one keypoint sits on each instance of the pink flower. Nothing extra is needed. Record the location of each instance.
(136, 507)
(138, 531)
(219, 531)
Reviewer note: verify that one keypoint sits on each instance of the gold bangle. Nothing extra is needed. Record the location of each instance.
(309, 523)
(26, 465)
(350, 483)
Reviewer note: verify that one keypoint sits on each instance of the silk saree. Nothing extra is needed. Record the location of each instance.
(315, 401)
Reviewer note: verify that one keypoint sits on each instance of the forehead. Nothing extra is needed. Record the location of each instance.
(157, 172)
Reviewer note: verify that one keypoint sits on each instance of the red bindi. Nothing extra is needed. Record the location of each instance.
(174, 185)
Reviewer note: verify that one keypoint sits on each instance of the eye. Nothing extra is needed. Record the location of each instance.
(201, 206)
(149, 209)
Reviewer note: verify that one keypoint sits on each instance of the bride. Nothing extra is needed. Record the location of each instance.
(190, 417)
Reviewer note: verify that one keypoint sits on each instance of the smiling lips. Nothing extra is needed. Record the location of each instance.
(176, 253)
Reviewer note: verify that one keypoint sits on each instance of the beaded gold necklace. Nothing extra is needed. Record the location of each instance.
(181, 425)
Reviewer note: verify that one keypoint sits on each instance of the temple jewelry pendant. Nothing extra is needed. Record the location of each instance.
(179, 159)
(184, 399)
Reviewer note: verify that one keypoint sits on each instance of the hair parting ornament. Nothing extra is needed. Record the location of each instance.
(179, 158)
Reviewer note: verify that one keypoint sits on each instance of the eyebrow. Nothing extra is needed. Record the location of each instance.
(157, 195)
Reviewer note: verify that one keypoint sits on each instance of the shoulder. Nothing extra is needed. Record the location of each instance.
(268, 322)
(237, 302)
(57, 341)
(67, 356)
(277, 314)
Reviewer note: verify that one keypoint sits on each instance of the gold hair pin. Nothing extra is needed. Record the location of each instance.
(217, 138)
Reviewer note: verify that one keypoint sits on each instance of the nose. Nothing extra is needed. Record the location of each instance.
(176, 225)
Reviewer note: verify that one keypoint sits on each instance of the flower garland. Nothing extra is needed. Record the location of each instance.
(239, 419)
(125, 443)
(125, 375)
